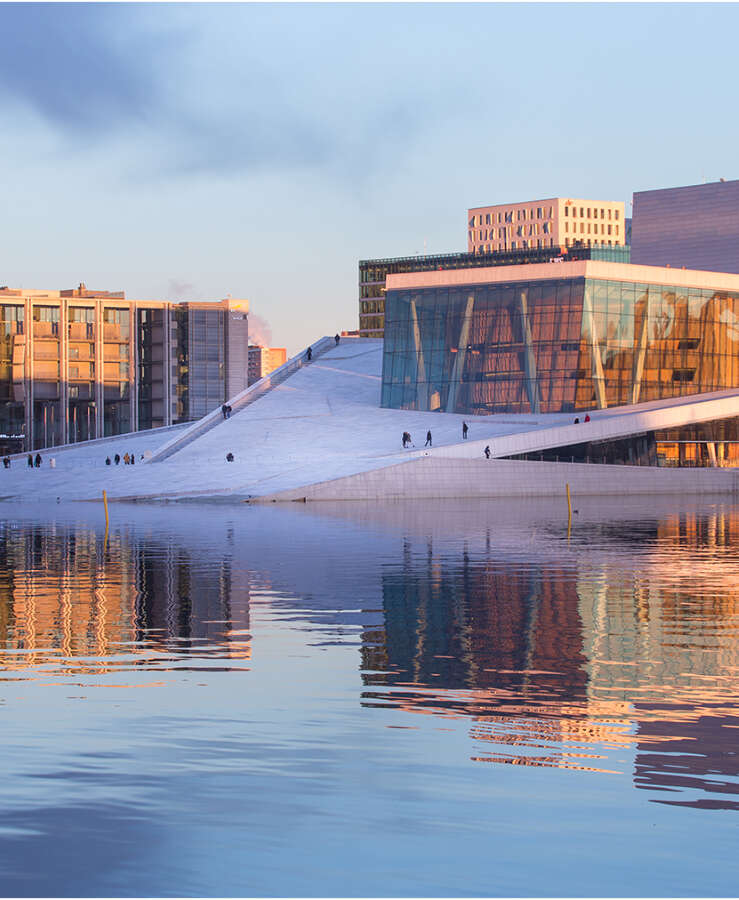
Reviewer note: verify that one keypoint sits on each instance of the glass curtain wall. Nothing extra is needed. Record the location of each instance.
(555, 346)
(207, 385)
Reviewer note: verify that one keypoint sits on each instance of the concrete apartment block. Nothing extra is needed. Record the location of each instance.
(556, 222)
(694, 227)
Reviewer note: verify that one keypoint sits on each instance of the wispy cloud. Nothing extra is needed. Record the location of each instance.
(217, 91)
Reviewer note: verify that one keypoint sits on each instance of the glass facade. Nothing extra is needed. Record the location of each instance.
(700, 445)
(560, 345)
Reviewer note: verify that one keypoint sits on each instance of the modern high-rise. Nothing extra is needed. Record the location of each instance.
(80, 364)
(263, 360)
(693, 227)
(556, 222)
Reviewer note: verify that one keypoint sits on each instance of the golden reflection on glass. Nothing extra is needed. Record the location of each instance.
(72, 605)
(568, 665)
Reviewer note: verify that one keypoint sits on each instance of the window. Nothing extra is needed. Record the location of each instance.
(602, 214)
(615, 214)
(567, 210)
(609, 213)
(616, 229)
(538, 212)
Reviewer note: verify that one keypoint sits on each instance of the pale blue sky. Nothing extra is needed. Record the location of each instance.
(190, 151)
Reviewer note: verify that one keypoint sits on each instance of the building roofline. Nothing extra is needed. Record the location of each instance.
(588, 268)
(542, 200)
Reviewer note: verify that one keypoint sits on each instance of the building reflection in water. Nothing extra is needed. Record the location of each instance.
(569, 663)
(69, 601)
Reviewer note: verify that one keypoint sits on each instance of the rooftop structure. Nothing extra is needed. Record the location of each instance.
(534, 224)
(696, 227)
(374, 272)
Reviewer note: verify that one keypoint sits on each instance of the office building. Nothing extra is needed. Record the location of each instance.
(263, 360)
(695, 227)
(373, 273)
(556, 222)
(81, 364)
(566, 338)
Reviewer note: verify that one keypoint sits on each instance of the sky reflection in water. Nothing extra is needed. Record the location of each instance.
(415, 699)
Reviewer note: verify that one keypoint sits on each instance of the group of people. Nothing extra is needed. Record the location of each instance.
(226, 410)
(129, 459)
(33, 462)
(577, 420)
(407, 441)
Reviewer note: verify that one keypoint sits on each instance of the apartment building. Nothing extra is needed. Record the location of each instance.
(80, 364)
(263, 360)
(556, 222)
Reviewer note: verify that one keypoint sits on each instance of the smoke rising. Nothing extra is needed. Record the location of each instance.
(260, 332)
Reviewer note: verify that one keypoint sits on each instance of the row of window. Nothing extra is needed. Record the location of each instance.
(594, 226)
(510, 215)
(585, 212)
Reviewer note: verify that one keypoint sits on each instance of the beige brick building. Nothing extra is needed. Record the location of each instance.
(557, 222)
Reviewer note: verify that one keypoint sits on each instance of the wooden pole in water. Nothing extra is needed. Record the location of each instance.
(569, 512)
(105, 504)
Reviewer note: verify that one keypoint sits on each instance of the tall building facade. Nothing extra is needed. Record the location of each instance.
(80, 364)
(695, 227)
(263, 360)
(556, 222)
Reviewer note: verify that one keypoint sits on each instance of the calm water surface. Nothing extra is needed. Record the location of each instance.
(414, 699)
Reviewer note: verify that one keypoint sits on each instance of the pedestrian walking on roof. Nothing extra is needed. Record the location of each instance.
(487, 452)
(587, 417)
(107, 460)
(465, 429)
(126, 459)
(37, 461)
(117, 458)
(224, 410)
(337, 339)
(133, 459)
(228, 411)
(428, 440)
(229, 457)
(30, 461)
(577, 421)
(309, 354)
(406, 439)
(6, 462)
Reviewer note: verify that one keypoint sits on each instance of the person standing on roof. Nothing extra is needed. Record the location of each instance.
(428, 440)
(465, 429)
(37, 461)
(309, 354)
(337, 339)
(487, 452)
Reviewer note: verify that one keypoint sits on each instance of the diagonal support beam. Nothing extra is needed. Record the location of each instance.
(532, 382)
(596, 362)
(464, 336)
(640, 353)
(422, 387)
